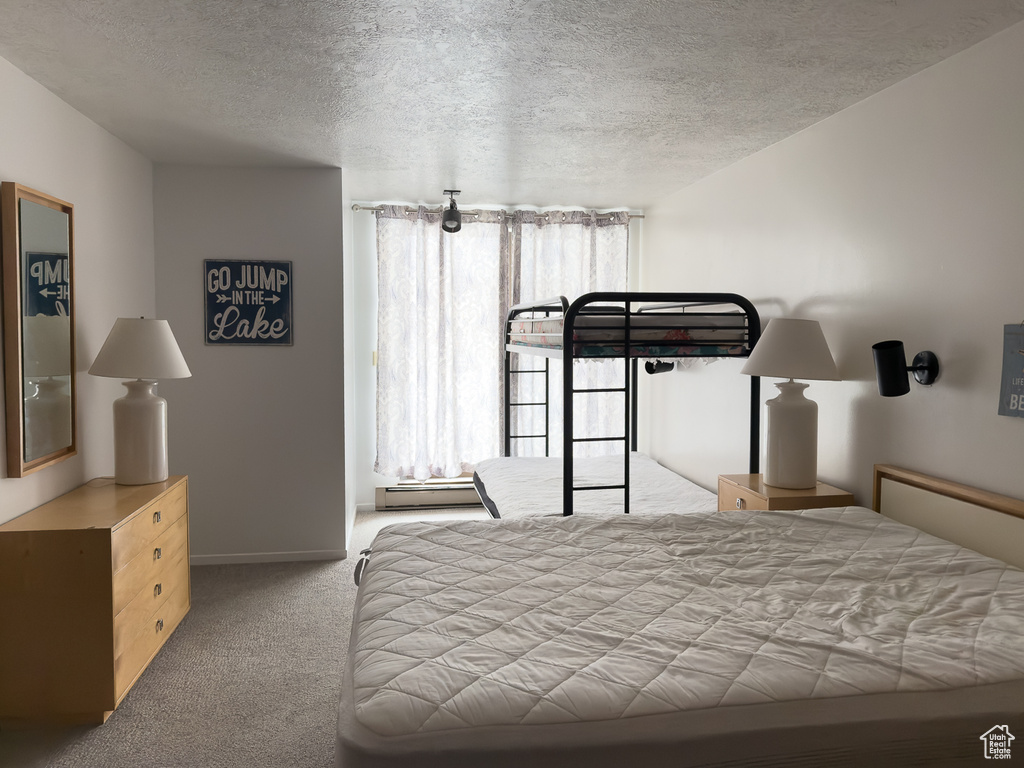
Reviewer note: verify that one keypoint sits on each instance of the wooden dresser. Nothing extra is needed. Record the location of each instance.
(91, 586)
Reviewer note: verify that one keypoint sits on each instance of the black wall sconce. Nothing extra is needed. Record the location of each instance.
(451, 219)
(891, 368)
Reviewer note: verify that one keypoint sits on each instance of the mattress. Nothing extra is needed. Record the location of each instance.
(692, 334)
(514, 487)
(735, 638)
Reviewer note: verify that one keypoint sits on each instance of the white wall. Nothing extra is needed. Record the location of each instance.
(48, 146)
(259, 430)
(351, 325)
(364, 229)
(900, 217)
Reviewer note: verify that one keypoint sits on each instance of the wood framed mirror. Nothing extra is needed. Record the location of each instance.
(37, 240)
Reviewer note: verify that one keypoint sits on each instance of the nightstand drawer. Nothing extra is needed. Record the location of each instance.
(149, 563)
(134, 536)
(731, 497)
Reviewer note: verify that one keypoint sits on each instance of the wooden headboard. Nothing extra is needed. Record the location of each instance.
(985, 522)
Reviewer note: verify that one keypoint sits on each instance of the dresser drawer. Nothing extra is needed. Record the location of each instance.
(128, 540)
(143, 647)
(149, 563)
(173, 576)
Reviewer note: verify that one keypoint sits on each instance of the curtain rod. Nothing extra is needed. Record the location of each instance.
(408, 209)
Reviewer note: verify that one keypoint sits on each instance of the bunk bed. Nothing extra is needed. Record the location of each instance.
(657, 327)
(738, 638)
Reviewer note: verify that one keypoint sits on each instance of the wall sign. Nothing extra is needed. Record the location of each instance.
(248, 302)
(1011, 393)
(47, 284)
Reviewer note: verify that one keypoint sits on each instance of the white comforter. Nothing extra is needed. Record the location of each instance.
(528, 487)
(540, 621)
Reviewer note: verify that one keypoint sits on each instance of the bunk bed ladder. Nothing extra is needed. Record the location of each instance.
(628, 437)
(509, 405)
(545, 307)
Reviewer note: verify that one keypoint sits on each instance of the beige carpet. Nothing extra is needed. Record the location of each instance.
(251, 677)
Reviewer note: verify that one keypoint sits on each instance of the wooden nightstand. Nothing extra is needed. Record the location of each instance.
(750, 492)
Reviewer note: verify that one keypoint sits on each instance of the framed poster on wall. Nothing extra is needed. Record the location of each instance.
(1011, 391)
(248, 302)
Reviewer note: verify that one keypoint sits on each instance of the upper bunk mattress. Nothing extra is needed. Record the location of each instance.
(530, 487)
(696, 334)
(678, 640)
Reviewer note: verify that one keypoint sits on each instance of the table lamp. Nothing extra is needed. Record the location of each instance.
(145, 350)
(791, 349)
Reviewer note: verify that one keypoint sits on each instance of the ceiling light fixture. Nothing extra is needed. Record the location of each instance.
(451, 219)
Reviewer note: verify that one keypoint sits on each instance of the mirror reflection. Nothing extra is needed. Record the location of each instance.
(46, 329)
(38, 253)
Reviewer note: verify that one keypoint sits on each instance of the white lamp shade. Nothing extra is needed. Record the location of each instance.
(792, 349)
(140, 348)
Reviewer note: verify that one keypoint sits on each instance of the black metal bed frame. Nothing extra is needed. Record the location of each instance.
(608, 304)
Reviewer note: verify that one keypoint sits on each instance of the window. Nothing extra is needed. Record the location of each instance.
(442, 300)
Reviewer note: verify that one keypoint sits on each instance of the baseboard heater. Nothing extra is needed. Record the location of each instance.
(426, 495)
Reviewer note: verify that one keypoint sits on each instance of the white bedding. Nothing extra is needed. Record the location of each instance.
(531, 487)
(659, 639)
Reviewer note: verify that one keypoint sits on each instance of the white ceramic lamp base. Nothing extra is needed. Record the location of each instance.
(140, 435)
(791, 459)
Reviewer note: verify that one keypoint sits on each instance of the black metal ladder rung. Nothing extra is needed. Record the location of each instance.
(599, 487)
(601, 389)
(527, 437)
(516, 370)
(516, 405)
(598, 439)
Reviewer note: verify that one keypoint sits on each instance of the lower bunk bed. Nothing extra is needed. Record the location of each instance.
(517, 487)
(734, 638)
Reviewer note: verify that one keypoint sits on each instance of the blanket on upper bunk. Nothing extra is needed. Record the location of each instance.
(720, 334)
(529, 487)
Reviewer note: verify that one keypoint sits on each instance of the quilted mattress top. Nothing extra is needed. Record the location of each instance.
(531, 486)
(541, 621)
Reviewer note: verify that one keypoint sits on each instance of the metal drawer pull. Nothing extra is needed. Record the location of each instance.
(159, 625)
(158, 590)
(157, 553)
(156, 517)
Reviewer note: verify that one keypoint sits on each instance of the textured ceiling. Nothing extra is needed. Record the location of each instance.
(602, 104)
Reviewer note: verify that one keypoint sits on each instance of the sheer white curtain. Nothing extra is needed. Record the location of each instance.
(442, 300)
(569, 254)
